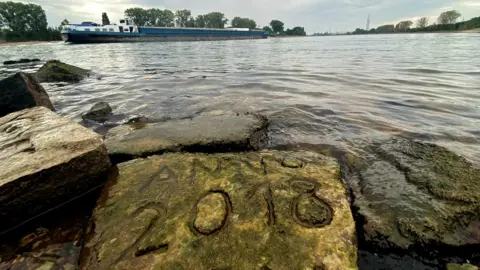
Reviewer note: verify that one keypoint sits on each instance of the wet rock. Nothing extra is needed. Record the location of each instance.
(21, 61)
(416, 194)
(21, 91)
(100, 112)
(46, 160)
(223, 211)
(204, 133)
(56, 71)
(454, 266)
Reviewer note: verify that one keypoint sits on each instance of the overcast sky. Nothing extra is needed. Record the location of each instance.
(314, 15)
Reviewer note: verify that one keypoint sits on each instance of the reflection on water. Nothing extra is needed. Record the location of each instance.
(340, 91)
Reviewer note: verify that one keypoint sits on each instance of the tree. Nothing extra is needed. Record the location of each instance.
(449, 17)
(190, 22)
(105, 20)
(166, 19)
(267, 29)
(139, 15)
(389, 28)
(422, 22)
(277, 26)
(22, 18)
(200, 21)
(215, 20)
(403, 26)
(238, 22)
(182, 17)
(296, 31)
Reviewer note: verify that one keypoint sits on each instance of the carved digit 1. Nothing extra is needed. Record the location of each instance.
(267, 195)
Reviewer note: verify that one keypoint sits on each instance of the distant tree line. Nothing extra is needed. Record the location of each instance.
(182, 18)
(447, 21)
(24, 22)
(277, 28)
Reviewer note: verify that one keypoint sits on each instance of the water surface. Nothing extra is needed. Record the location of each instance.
(343, 91)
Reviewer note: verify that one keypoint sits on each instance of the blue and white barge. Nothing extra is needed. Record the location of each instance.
(127, 31)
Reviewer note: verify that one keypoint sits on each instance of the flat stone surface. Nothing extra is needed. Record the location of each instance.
(22, 91)
(204, 133)
(223, 211)
(414, 193)
(46, 159)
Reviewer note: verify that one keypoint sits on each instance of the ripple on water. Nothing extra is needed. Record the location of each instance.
(330, 90)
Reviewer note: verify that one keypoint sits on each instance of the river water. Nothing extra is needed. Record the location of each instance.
(339, 92)
(343, 91)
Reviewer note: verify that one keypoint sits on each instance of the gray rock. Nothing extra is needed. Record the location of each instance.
(21, 91)
(205, 133)
(45, 160)
(100, 112)
(416, 194)
(56, 71)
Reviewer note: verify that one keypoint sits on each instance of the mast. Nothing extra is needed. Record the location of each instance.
(368, 23)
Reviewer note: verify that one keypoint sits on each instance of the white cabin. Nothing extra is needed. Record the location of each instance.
(126, 25)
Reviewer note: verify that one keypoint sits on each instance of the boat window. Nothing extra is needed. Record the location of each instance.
(111, 30)
(97, 29)
(87, 29)
(104, 29)
(122, 21)
(128, 22)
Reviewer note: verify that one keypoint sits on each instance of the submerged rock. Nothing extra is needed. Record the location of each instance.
(223, 211)
(204, 133)
(454, 266)
(100, 112)
(21, 61)
(45, 160)
(21, 91)
(56, 71)
(416, 194)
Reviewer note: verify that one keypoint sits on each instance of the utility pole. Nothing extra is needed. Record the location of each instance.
(368, 23)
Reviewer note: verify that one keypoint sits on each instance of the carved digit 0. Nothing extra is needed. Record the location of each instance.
(210, 213)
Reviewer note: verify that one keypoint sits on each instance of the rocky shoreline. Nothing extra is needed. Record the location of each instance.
(204, 193)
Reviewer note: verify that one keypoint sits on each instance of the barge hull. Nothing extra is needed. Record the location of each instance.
(98, 38)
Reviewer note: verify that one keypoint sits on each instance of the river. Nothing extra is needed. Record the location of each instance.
(339, 93)
(343, 91)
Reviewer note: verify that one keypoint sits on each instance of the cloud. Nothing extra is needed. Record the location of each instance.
(314, 15)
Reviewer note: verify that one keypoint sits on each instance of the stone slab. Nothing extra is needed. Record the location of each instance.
(204, 133)
(414, 194)
(224, 211)
(45, 159)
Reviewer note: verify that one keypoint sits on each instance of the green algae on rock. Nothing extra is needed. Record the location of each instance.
(204, 133)
(223, 211)
(56, 71)
(454, 266)
(418, 194)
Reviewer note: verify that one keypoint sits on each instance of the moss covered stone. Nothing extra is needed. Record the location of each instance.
(454, 266)
(223, 211)
(56, 71)
(413, 193)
